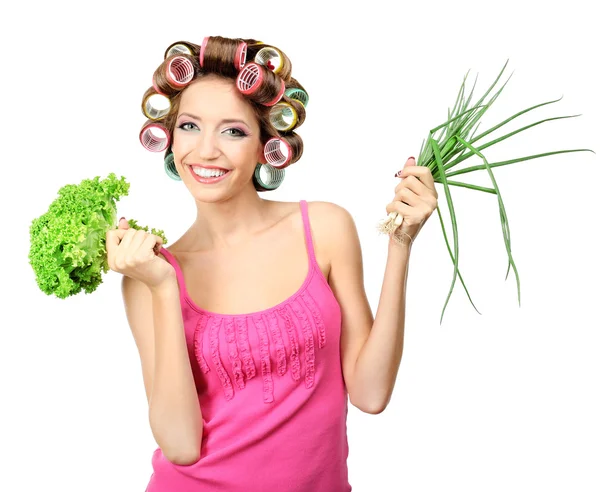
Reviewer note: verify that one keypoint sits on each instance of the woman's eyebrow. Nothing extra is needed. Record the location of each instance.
(227, 120)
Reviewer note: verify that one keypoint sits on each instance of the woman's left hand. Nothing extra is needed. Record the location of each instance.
(415, 199)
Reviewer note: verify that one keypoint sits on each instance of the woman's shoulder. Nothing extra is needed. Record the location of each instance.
(321, 214)
(330, 223)
(324, 217)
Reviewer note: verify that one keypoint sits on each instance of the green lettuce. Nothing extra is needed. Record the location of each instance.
(68, 242)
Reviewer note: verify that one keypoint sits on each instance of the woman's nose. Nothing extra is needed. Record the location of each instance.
(208, 146)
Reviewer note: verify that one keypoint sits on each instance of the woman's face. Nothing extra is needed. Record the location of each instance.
(216, 127)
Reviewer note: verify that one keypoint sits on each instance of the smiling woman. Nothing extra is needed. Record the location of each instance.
(249, 395)
(267, 94)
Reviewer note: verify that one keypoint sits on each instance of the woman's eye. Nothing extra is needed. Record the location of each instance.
(184, 124)
(240, 133)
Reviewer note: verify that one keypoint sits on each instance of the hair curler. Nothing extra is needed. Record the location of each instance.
(156, 106)
(268, 177)
(283, 116)
(297, 94)
(252, 78)
(240, 55)
(239, 58)
(179, 72)
(202, 50)
(278, 152)
(178, 48)
(170, 167)
(271, 58)
(155, 137)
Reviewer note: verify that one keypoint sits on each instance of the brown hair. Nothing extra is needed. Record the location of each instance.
(224, 57)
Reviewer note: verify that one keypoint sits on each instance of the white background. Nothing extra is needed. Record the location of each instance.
(503, 401)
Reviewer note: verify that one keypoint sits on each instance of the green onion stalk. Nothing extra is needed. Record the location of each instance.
(456, 143)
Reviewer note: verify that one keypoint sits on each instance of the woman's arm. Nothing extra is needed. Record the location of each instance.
(378, 362)
(371, 349)
(175, 416)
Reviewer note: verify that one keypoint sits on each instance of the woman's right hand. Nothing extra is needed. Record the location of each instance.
(134, 253)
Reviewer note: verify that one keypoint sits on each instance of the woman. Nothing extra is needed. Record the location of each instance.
(249, 361)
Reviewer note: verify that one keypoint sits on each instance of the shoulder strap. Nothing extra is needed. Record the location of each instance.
(171, 259)
(307, 234)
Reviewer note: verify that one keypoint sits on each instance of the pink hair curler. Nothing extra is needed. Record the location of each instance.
(251, 78)
(202, 49)
(155, 137)
(179, 72)
(278, 152)
(240, 56)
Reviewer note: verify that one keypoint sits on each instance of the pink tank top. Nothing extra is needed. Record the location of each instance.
(272, 394)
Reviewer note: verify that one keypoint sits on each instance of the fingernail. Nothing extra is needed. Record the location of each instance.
(121, 219)
(397, 175)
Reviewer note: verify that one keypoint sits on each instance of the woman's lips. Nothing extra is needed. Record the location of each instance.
(202, 180)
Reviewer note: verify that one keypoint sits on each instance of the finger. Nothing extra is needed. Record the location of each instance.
(127, 236)
(137, 241)
(401, 208)
(152, 242)
(123, 223)
(113, 240)
(129, 239)
(115, 236)
(409, 162)
(421, 172)
(414, 184)
(407, 196)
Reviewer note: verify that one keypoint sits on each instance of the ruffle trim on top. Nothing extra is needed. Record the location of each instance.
(269, 326)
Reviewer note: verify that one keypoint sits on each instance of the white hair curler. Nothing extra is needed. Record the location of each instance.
(156, 106)
(178, 49)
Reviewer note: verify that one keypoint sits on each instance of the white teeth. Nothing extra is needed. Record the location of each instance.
(205, 173)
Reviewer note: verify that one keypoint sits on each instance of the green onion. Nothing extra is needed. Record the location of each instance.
(454, 145)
